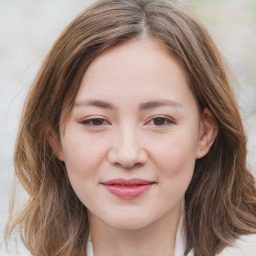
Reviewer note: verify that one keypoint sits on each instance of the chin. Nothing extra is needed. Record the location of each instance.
(128, 222)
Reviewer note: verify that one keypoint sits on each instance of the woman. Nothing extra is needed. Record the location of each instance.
(131, 142)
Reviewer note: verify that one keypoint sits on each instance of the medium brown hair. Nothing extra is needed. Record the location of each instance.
(220, 203)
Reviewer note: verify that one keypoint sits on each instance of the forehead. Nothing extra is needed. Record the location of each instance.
(141, 70)
(149, 57)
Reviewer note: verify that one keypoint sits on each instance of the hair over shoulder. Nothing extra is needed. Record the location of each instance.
(220, 203)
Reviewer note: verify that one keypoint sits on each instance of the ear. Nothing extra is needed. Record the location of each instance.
(53, 139)
(207, 134)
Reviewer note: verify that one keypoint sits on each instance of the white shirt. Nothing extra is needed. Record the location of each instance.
(244, 246)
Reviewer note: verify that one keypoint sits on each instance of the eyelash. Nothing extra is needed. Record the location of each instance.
(164, 121)
(91, 121)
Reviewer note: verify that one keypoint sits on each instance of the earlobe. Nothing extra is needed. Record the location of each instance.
(54, 141)
(207, 134)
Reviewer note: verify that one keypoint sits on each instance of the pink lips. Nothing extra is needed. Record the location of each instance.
(127, 188)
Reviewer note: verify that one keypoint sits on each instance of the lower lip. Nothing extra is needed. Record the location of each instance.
(128, 191)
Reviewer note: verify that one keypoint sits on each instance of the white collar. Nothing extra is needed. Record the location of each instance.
(180, 243)
(89, 246)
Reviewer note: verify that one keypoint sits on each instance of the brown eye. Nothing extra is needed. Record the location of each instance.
(161, 121)
(95, 122)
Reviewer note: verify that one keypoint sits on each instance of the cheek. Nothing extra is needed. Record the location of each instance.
(82, 157)
(175, 159)
(176, 153)
(82, 162)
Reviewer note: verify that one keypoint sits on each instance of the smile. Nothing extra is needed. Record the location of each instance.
(128, 189)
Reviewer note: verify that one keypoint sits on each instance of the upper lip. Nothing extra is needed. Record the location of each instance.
(125, 182)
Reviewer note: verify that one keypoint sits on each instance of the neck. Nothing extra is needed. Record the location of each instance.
(156, 239)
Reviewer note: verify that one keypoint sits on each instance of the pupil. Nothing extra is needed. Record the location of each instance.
(98, 121)
(159, 121)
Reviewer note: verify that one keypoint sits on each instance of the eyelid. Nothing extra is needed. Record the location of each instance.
(170, 120)
(86, 121)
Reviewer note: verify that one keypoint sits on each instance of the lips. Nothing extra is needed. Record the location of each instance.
(127, 189)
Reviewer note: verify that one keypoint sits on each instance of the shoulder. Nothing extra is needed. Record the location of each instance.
(245, 245)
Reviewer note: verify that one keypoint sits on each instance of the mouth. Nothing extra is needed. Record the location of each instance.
(128, 189)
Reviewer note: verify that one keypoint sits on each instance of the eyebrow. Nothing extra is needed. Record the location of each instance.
(159, 103)
(95, 103)
(142, 106)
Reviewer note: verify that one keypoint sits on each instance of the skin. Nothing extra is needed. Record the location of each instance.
(115, 131)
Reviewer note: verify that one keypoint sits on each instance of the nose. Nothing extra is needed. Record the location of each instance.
(127, 150)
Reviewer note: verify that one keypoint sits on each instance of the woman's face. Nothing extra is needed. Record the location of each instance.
(133, 136)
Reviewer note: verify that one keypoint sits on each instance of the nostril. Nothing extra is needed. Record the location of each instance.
(126, 166)
(127, 157)
(123, 165)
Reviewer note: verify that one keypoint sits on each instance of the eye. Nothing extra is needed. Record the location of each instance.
(95, 122)
(160, 121)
